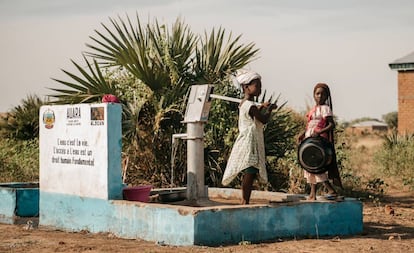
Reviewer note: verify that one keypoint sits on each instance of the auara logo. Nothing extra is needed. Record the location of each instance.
(48, 119)
(73, 113)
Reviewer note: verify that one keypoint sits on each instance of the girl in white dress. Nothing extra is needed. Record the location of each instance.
(248, 153)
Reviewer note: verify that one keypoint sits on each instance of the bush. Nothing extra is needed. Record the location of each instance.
(22, 122)
(396, 157)
(19, 160)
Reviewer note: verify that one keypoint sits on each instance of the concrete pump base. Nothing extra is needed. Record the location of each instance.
(217, 220)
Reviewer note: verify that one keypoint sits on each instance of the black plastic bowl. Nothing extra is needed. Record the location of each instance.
(315, 154)
(172, 196)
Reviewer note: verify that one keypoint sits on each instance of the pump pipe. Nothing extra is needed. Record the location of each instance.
(173, 153)
(236, 100)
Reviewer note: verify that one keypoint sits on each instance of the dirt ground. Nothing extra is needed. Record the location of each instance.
(383, 232)
(388, 227)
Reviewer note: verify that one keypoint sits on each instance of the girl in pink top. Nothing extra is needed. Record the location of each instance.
(320, 123)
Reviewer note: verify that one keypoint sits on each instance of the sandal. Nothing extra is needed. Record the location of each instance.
(330, 196)
(340, 198)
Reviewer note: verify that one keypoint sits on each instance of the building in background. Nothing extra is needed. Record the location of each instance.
(368, 127)
(405, 68)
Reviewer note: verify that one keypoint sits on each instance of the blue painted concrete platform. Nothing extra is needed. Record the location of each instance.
(213, 221)
(17, 201)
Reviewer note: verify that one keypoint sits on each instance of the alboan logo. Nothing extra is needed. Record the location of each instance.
(49, 119)
(97, 116)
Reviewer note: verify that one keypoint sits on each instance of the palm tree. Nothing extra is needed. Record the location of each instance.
(22, 122)
(161, 63)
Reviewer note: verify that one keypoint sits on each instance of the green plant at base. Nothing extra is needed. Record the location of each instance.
(19, 160)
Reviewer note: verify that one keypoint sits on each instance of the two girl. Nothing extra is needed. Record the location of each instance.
(248, 153)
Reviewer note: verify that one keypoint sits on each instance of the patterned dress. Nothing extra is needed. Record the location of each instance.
(317, 121)
(248, 149)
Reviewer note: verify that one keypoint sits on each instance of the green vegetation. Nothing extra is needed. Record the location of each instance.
(391, 119)
(396, 157)
(22, 122)
(19, 160)
(19, 145)
(150, 68)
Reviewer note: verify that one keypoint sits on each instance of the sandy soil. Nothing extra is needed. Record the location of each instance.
(384, 231)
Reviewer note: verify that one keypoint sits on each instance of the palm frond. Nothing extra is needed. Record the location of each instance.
(134, 48)
(217, 57)
(88, 87)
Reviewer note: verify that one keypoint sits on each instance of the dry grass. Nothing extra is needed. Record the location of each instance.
(361, 160)
(362, 152)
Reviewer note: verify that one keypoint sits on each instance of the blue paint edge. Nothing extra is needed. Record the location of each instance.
(125, 219)
(114, 135)
(256, 224)
(7, 205)
(213, 226)
(18, 200)
(27, 204)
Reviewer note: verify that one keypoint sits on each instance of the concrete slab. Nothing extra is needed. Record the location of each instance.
(213, 221)
(17, 201)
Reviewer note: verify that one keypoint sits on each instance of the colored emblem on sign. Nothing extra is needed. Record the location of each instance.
(49, 119)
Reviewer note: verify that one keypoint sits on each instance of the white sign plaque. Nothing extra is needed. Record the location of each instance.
(75, 149)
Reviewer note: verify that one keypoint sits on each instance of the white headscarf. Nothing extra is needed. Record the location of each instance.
(244, 76)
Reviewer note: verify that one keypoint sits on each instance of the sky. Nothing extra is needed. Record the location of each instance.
(346, 44)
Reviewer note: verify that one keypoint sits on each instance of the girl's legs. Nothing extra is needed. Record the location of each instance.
(312, 195)
(312, 180)
(329, 187)
(247, 186)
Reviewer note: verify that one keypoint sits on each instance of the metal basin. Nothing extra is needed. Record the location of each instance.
(315, 154)
(172, 195)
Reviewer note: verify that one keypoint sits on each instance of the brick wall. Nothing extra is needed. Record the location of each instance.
(406, 102)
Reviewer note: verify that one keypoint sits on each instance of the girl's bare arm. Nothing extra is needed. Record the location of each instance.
(329, 126)
(255, 112)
